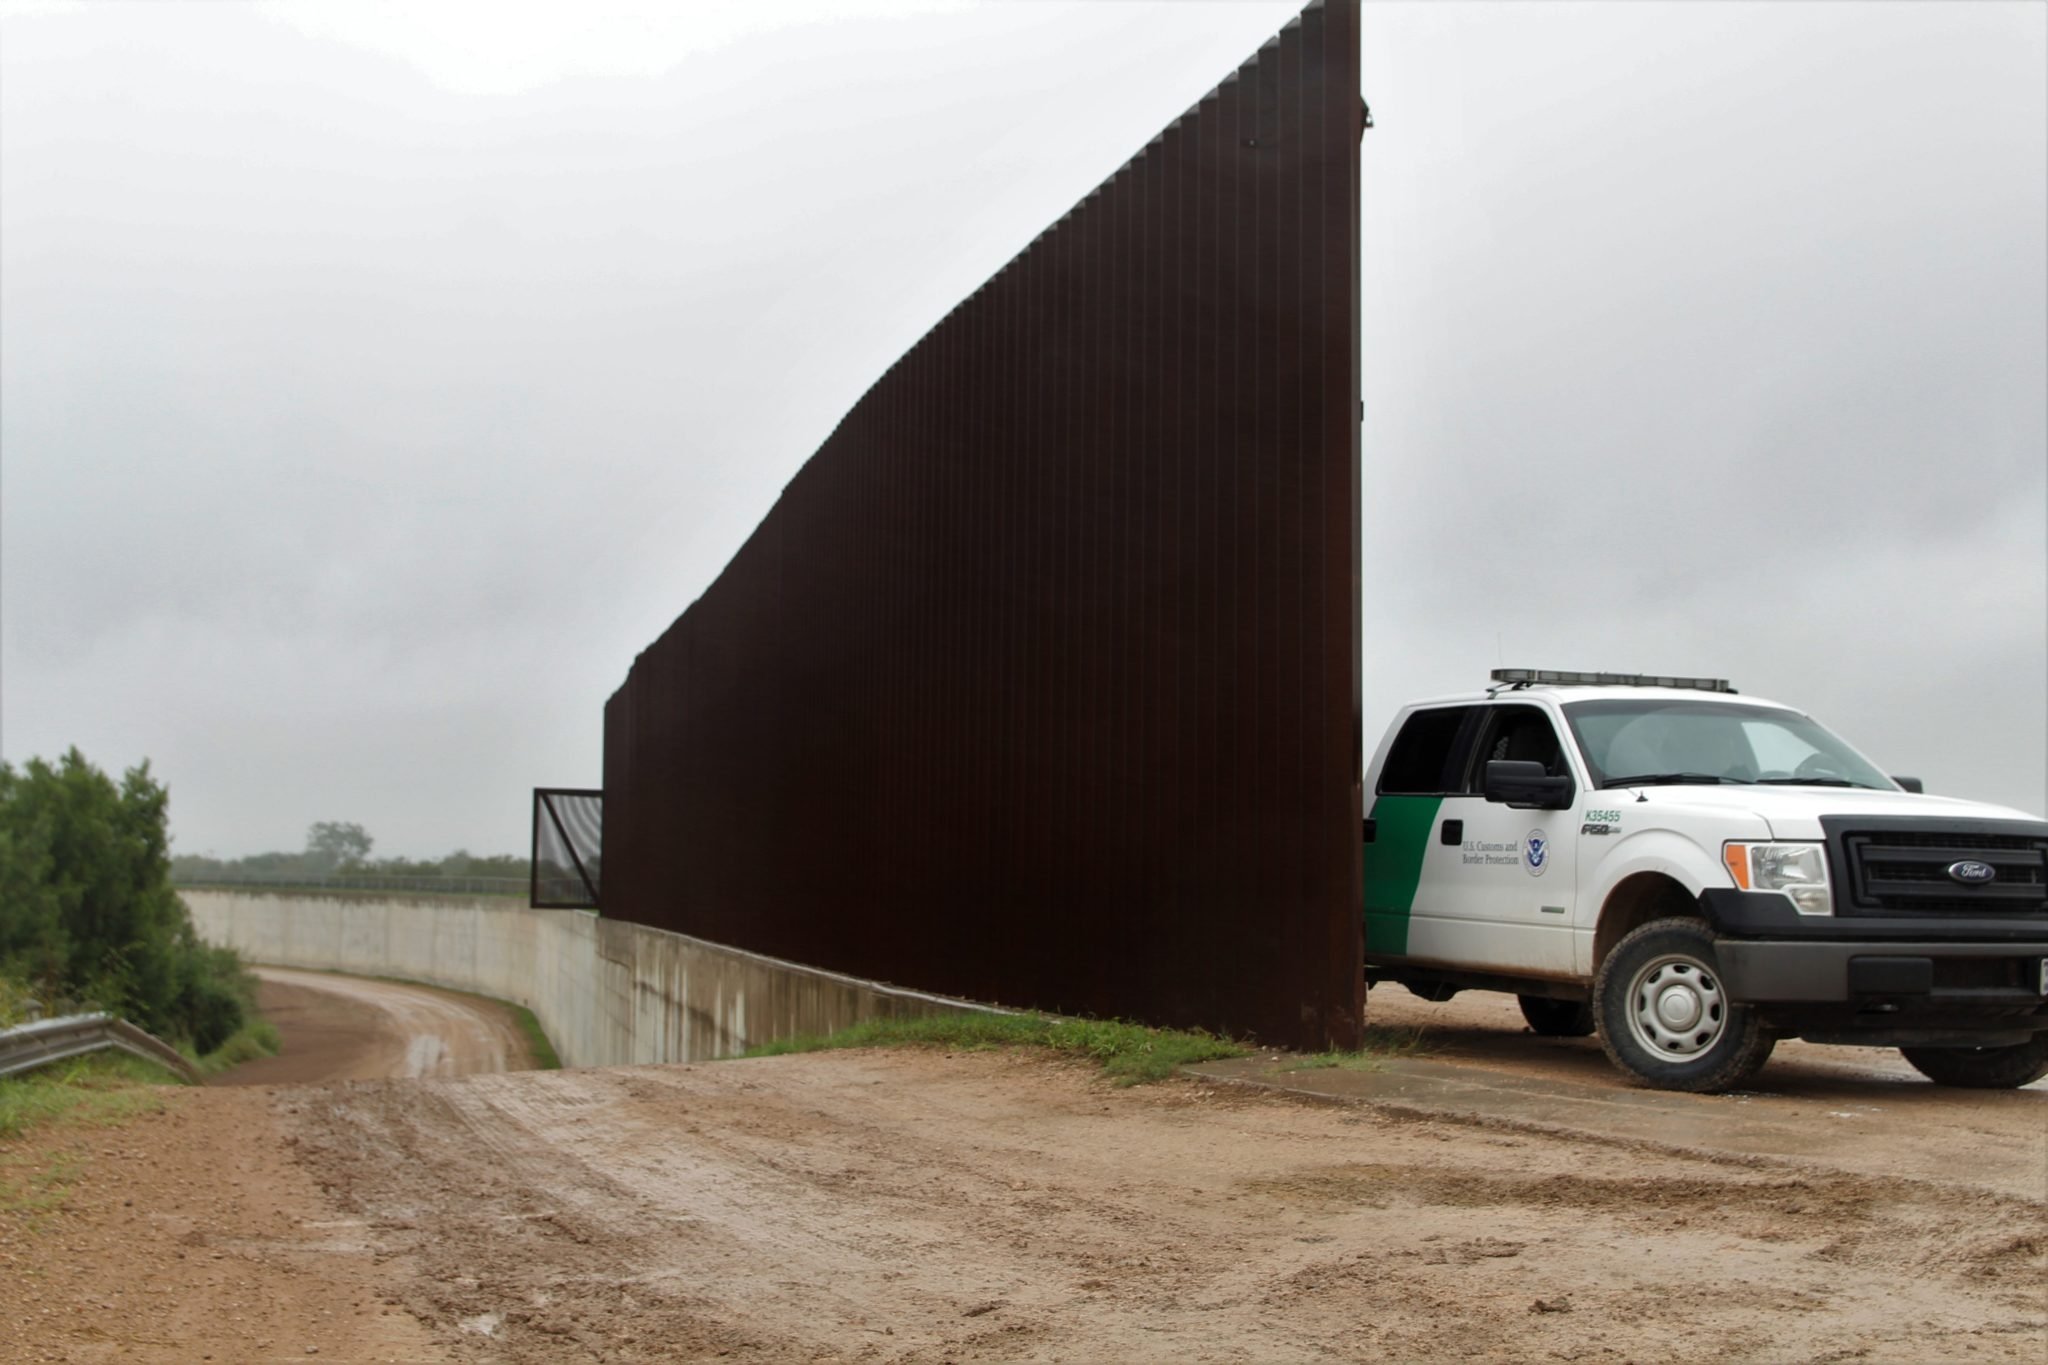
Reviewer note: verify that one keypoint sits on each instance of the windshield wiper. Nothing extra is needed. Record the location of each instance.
(1812, 782)
(1671, 780)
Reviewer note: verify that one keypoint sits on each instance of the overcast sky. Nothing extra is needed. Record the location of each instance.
(376, 381)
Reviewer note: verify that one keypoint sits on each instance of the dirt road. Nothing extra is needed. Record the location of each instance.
(341, 1028)
(917, 1206)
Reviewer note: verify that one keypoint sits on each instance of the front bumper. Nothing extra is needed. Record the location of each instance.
(1898, 979)
(1994, 976)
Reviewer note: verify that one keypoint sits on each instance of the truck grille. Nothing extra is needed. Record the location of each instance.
(1907, 869)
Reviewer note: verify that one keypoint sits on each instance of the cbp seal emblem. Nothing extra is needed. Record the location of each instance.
(1536, 852)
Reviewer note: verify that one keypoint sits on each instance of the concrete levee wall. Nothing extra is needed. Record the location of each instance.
(606, 992)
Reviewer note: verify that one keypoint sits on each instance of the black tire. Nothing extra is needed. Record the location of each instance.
(1664, 1018)
(1982, 1068)
(1557, 1018)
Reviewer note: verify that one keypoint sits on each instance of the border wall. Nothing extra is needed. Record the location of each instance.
(1040, 682)
(606, 992)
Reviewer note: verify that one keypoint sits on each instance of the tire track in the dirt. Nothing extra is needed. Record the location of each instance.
(520, 1243)
(805, 1184)
(1042, 1203)
(913, 1206)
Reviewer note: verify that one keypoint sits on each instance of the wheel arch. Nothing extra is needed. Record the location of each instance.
(1636, 900)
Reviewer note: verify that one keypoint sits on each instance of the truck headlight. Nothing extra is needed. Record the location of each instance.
(1798, 870)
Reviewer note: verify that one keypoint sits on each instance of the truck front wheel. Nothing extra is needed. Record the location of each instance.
(1665, 1017)
(1982, 1068)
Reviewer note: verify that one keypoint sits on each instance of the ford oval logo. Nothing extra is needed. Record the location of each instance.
(1972, 871)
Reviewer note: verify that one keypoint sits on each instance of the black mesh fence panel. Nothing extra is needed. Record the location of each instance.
(568, 848)
(1039, 684)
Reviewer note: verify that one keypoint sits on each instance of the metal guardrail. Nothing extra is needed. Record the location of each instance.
(27, 1046)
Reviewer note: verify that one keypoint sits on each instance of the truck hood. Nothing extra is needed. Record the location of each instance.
(1795, 812)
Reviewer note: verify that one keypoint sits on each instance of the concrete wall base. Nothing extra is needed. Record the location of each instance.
(606, 992)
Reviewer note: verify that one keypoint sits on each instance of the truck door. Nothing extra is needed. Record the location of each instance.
(1498, 886)
(1425, 764)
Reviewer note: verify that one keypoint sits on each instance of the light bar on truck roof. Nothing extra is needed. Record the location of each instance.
(1529, 677)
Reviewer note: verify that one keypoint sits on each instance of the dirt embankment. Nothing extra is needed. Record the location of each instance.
(917, 1206)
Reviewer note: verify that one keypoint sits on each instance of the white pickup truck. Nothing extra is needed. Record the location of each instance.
(1696, 874)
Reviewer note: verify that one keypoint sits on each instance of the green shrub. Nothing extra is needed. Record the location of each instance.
(16, 1000)
(257, 1038)
(87, 913)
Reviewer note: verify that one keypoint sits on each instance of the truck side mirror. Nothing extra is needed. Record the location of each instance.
(1524, 785)
(1911, 784)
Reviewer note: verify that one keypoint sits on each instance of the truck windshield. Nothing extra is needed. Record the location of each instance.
(1637, 742)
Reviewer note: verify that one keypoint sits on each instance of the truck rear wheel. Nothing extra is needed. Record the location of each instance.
(1664, 1016)
(1557, 1018)
(1982, 1068)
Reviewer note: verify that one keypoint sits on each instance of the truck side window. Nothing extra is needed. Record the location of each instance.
(1423, 760)
(1517, 732)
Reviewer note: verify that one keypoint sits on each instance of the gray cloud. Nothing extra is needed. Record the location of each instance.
(1723, 353)
(356, 432)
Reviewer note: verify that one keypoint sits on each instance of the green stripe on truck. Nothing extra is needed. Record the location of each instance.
(1402, 829)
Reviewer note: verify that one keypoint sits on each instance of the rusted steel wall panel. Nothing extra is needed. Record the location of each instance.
(1039, 685)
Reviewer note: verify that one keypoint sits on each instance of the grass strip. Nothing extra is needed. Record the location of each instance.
(1377, 1045)
(1129, 1054)
(97, 1090)
(100, 1089)
(256, 1038)
(543, 1051)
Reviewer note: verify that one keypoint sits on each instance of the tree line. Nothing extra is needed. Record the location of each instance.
(342, 848)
